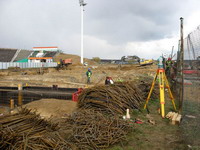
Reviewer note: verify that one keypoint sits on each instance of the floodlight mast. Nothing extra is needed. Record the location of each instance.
(82, 4)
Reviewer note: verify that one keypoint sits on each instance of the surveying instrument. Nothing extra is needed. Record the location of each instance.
(160, 74)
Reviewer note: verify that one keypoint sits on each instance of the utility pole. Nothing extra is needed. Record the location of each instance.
(172, 52)
(181, 64)
(82, 4)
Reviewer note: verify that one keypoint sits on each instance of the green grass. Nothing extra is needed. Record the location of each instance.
(146, 136)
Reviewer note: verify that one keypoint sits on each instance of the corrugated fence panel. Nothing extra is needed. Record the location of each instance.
(6, 65)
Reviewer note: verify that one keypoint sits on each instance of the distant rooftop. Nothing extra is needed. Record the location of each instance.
(23, 54)
(6, 54)
(44, 54)
(15, 55)
(51, 48)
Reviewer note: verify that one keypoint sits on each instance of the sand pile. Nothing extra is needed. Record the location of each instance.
(52, 107)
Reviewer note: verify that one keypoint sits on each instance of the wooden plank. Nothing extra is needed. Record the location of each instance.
(178, 119)
(174, 118)
(169, 115)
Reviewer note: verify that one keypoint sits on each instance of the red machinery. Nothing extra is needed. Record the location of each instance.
(76, 94)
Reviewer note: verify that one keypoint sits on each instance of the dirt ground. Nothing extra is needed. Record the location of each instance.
(145, 136)
(4, 110)
(52, 108)
(73, 75)
(47, 108)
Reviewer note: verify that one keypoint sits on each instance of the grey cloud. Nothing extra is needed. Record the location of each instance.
(38, 22)
(29, 23)
(133, 20)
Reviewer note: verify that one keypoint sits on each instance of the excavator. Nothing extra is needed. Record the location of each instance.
(145, 62)
(64, 63)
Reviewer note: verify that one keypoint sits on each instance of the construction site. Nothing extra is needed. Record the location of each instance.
(55, 107)
(52, 100)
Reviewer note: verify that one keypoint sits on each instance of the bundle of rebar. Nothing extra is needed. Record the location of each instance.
(26, 130)
(94, 130)
(96, 124)
(113, 99)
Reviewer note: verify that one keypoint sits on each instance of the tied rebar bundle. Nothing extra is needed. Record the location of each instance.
(26, 130)
(94, 130)
(113, 99)
(97, 123)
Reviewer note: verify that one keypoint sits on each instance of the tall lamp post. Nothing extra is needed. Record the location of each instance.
(82, 4)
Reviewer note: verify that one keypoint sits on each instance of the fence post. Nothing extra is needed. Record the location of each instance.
(20, 94)
(181, 65)
(12, 104)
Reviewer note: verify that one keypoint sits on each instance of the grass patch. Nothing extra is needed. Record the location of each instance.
(147, 136)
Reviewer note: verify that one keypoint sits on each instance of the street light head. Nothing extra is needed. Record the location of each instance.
(82, 3)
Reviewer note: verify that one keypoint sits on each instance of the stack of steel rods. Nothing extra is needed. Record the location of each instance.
(95, 125)
(144, 86)
(114, 99)
(94, 130)
(26, 130)
(42, 142)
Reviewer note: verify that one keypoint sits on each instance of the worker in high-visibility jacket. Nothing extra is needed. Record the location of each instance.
(168, 66)
(88, 74)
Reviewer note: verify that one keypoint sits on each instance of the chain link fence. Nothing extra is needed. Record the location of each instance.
(187, 84)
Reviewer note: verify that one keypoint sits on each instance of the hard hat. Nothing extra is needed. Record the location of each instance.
(89, 69)
(169, 58)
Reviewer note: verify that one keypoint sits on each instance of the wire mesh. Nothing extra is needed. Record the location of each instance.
(190, 103)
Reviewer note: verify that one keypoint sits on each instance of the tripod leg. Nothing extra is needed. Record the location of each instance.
(170, 92)
(162, 93)
(151, 90)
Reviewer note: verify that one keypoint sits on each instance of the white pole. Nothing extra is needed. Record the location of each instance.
(81, 34)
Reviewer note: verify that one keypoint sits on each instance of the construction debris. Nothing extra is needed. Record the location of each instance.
(97, 123)
(170, 115)
(190, 116)
(93, 130)
(174, 117)
(152, 122)
(113, 99)
(26, 130)
(150, 119)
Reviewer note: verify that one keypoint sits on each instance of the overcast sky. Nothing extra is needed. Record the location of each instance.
(112, 28)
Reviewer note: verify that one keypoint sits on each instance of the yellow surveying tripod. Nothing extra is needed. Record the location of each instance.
(162, 80)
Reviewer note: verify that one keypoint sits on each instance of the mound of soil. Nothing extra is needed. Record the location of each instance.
(52, 107)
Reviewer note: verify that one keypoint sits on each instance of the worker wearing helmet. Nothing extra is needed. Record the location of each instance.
(108, 81)
(88, 74)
